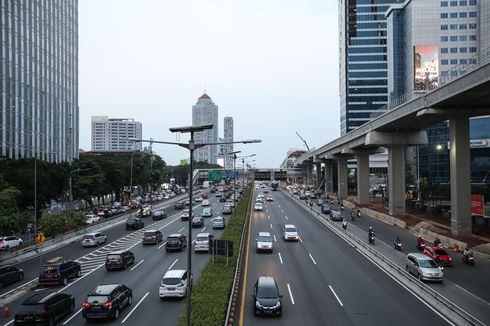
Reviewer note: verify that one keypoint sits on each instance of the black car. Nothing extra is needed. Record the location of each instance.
(152, 236)
(176, 241)
(326, 208)
(134, 223)
(267, 300)
(9, 275)
(222, 199)
(106, 301)
(179, 205)
(158, 214)
(59, 270)
(197, 222)
(119, 259)
(44, 308)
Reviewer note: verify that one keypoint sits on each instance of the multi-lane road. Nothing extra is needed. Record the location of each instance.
(143, 277)
(323, 279)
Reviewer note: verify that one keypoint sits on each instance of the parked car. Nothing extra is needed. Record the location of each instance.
(178, 206)
(326, 208)
(226, 210)
(152, 237)
(218, 222)
(106, 301)
(173, 284)
(203, 242)
(336, 216)
(259, 207)
(207, 212)
(176, 241)
(158, 214)
(134, 223)
(439, 255)
(264, 242)
(423, 267)
(290, 232)
(10, 242)
(266, 297)
(59, 270)
(9, 275)
(92, 218)
(93, 239)
(197, 222)
(44, 308)
(119, 260)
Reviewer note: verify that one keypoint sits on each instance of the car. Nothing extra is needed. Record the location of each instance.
(198, 199)
(265, 191)
(119, 260)
(266, 297)
(439, 255)
(423, 267)
(58, 271)
(207, 212)
(92, 218)
(336, 215)
(218, 222)
(226, 210)
(218, 194)
(230, 203)
(290, 232)
(264, 242)
(269, 198)
(106, 301)
(158, 214)
(44, 308)
(259, 200)
(203, 242)
(10, 274)
(320, 202)
(176, 241)
(205, 202)
(259, 207)
(173, 284)
(222, 199)
(152, 237)
(326, 208)
(93, 239)
(178, 206)
(134, 223)
(197, 222)
(204, 196)
(185, 216)
(10, 242)
(144, 211)
(303, 196)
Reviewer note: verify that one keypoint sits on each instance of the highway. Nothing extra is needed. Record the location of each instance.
(322, 279)
(143, 277)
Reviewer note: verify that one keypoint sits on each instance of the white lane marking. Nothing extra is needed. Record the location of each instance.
(271, 226)
(290, 294)
(193, 241)
(275, 240)
(268, 217)
(280, 257)
(85, 275)
(163, 244)
(173, 264)
(181, 230)
(314, 262)
(278, 205)
(204, 229)
(10, 322)
(286, 217)
(336, 297)
(282, 211)
(475, 296)
(144, 297)
(20, 286)
(72, 316)
(301, 240)
(142, 260)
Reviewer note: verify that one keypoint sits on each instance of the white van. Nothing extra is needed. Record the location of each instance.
(203, 242)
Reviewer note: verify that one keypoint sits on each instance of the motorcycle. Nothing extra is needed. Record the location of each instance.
(358, 214)
(371, 239)
(420, 244)
(344, 224)
(468, 258)
(397, 245)
(341, 207)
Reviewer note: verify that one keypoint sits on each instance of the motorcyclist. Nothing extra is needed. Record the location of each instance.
(370, 232)
(467, 252)
(352, 215)
(437, 242)
(344, 224)
(358, 212)
(397, 240)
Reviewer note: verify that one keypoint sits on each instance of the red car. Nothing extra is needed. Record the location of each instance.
(204, 196)
(439, 255)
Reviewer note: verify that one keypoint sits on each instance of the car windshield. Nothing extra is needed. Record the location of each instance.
(89, 237)
(267, 292)
(201, 238)
(290, 230)
(440, 252)
(97, 298)
(50, 268)
(265, 238)
(113, 257)
(171, 281)
(426, 263)
(172, 239)
(149, 234)
(30, 308)
(130, 221)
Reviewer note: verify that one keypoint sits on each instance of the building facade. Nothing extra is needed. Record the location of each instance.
(206, 112)
(39, 80)
(108, 134)
(228, 137)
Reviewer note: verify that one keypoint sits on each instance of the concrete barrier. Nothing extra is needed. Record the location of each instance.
(388, 219)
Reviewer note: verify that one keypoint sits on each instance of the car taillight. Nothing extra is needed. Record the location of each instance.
(85, 304)
(108, 304)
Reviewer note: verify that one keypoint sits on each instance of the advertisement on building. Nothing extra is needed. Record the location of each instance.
(426, 65)
(478, 205)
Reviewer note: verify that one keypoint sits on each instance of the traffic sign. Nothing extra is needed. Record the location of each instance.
(41, 238)
(214, 175)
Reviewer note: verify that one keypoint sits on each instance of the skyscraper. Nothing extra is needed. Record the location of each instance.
(206, 112)
(39, 86)
(228, 137)
(107, 134)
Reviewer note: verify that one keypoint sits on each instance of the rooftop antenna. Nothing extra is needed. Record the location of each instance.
(304, 141)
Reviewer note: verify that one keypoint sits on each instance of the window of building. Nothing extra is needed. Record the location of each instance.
(472, 37)
(443, 3)
(454, 61)
(472, 61)
(444, 38)
(472, 49)
(444, 50)
(462, 26)
(454, 15)
(472, 26)
(454, 3)
(463, 61)
(454, 50)
(453, 26)
(462, 15)
(443, 15)
(463, 3)
(454, 38)
(472, 2)
(444, 62)
(462, 38)
(444, 27)
(472, 13)
(462, 50)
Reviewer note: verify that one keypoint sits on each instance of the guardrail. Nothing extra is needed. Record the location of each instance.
(437, 301)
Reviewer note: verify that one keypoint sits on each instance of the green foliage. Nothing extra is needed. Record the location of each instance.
(211, 292)
(75, 220)
(53, 224)
(13, 222)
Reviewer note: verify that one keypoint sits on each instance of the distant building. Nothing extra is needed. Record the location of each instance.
(107, 134)
(228, 137)
(206, 112)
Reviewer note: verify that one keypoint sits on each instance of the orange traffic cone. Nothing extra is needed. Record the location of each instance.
(6, 312)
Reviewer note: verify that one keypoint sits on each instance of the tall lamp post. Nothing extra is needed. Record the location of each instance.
(191, 146)
(234, 174)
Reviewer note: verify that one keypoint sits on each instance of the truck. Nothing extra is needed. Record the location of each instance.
(274, 185)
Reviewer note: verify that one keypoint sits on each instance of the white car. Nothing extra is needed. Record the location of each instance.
(259, 207)
(93, 239)
(290, 232)
(264, 242)
(10, 242)
(205, 202)
(92, 218)
(173, 284)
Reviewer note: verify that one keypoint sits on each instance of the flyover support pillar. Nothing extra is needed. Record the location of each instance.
(318, 168)
(328, 177)
(459, 164)
(309, 173)
(396, 179)
(342, 179)
(363, 179)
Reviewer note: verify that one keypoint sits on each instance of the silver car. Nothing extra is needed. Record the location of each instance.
(423, 267)
(173, 284)
(93, 239)
(264, 242)
(290, 232)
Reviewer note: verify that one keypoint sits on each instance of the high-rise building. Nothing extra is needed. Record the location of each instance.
(228, 137)
(39, 79)
(109, 134)
(362, 60)
(206, 112)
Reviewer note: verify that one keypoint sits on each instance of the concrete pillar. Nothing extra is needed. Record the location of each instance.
(342, 180)
(363, 179)
(396, 179)
(328, 177)
(318, 168)
(459, 164)
(309, 173)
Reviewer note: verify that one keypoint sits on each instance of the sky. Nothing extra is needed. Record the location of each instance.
(270, 64)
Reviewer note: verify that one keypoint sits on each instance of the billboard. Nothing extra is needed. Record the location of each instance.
(478, 205)
(426, 66)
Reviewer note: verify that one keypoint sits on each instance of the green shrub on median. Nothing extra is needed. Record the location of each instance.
(211, 292)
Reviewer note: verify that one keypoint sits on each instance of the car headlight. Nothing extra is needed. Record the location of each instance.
(257, 304)
(277, 305)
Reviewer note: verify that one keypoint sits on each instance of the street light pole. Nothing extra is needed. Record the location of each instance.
(234, 173)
